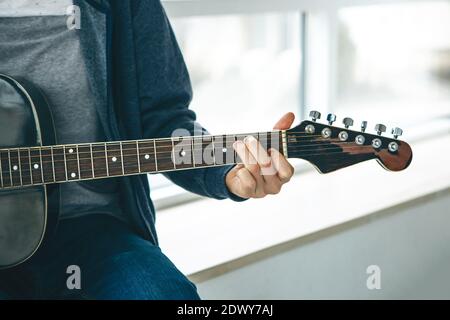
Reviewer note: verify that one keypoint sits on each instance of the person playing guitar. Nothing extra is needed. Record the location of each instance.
(112, 70)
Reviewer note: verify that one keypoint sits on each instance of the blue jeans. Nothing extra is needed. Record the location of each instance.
(114, 263)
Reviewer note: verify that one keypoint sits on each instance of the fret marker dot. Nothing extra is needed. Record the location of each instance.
(36, 166)
(183, 153)
(15, 168)
(73, 175)
(114, 159)
(224, 150)
(147, 156)
(70, 150)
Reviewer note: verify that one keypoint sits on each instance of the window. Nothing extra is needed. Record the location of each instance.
(394, 61)
(251, 61)
(245, 71)
(386, 63)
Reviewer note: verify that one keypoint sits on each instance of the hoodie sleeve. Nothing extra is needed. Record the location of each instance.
(165, 93)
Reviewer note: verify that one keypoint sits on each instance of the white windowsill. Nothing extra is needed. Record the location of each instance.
(207, 233)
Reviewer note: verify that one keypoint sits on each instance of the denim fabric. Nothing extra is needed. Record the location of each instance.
(115, 263)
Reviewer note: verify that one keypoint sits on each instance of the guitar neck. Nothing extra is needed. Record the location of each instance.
(21, 167)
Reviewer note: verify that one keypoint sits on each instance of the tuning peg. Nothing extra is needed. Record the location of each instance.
(348, 122)
(331, 118)
(380, 128)
(396, 132)
(363, 126)
(314, 115)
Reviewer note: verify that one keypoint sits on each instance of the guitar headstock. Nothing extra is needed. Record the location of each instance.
(330, 148)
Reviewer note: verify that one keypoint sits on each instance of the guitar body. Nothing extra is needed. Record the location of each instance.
(25, 216)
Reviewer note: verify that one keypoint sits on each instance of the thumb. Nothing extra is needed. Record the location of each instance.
(285, 122)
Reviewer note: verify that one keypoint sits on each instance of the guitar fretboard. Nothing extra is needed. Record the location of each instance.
(20, 167)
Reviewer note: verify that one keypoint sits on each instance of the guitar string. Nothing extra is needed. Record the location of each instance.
(168, 153)
(170, 148)
(323, 151)
(128, 142)
(206, 143)
(12, 179)
(192, 138)
(171, 163)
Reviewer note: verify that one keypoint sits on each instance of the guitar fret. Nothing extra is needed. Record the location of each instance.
(121, 157)
(48, 169)
(10, 172)
(265, 139)
(14, 168)
(92, 160)
(114, 159)
(9, 169)
(78, 160)
(20, 167)
(173, 154)
(65, 164)
(130, 158)
(139, 156)
(24, 161)
(99, 160)
(59, 164)
(182, 153)
(106, 160)
(84, 158)
(234, 158)
(31, 170)
(197, 152)
(283, 142)
(36, 166)
(154, 150)
(53, 163)
(164, 150)
(276, 141)
(204, 151)
(218, 154)
(146, 150)
(213, 150)
(193, 152)
(6, 175)
(72, 162)
(224, 152)
(41, 165)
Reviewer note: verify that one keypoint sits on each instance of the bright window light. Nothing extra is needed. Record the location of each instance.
(245, 70)
(394, 60)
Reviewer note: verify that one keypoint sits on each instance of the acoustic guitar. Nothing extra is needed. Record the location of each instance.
(32, 164)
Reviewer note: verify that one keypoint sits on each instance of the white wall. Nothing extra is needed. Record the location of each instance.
(411, 246)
